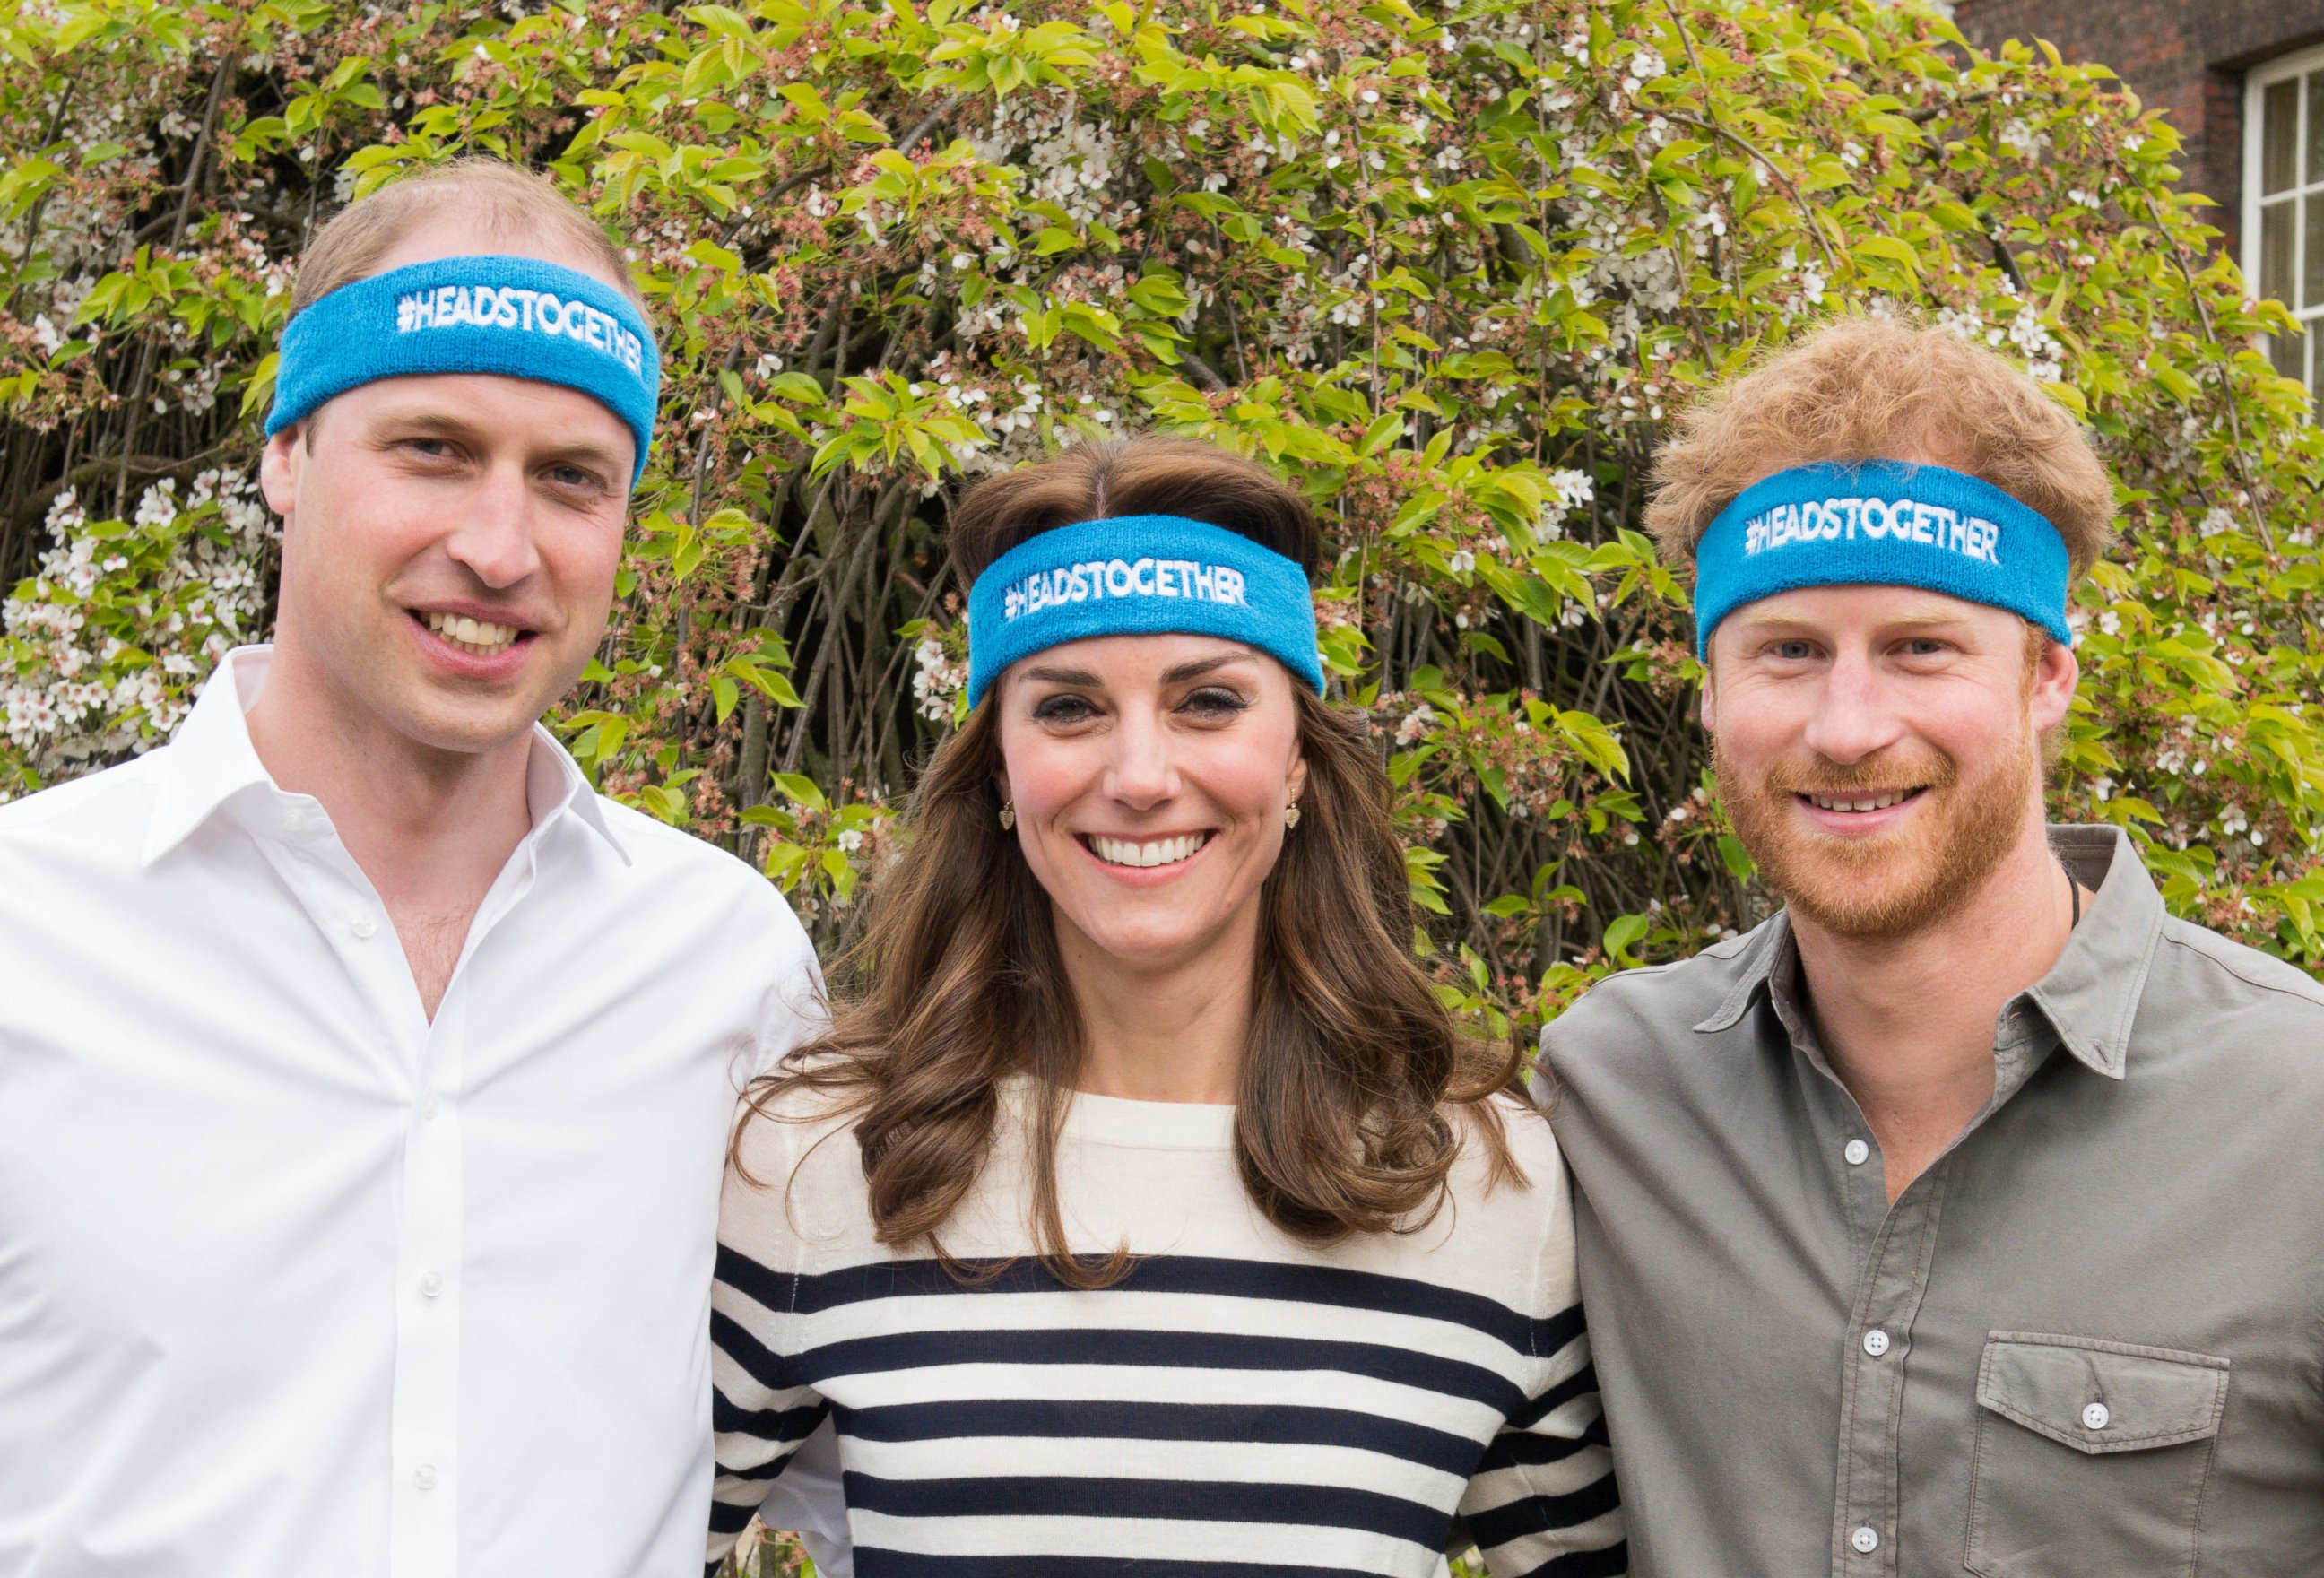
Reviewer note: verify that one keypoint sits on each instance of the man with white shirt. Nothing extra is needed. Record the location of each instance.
(364, 1075)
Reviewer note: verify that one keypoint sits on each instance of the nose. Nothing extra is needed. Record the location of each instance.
(495, 535)
(1140, 774)
(1854, 715)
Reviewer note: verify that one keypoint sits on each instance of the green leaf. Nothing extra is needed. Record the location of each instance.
(801, 789)
(1624, 933)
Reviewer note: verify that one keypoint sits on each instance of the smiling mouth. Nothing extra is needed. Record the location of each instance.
(1861, 803)
(1152, 851)
(477, 637)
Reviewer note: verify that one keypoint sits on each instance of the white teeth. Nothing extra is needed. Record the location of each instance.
(1880, 804)
(480, 636)
(1160, 851)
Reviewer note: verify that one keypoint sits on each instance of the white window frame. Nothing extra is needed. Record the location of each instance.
(2256, 82)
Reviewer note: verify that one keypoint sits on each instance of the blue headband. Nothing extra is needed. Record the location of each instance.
(1883, 523)
(517, 316)
(1139, 574)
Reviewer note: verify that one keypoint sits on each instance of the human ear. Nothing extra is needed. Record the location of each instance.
(2055, 674)
(278, 469)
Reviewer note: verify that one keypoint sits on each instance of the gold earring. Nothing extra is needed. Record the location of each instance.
(1008, 814)
(1291, 816)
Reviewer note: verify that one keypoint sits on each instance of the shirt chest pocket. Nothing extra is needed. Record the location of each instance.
(2092, 1457)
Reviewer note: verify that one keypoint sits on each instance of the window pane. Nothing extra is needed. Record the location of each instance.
(2275, 239)
(2313, 171)
(2289, 353)
(2279, 137)
(2311, 261)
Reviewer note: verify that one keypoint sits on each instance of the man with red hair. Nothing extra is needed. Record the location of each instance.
(1968, 1215)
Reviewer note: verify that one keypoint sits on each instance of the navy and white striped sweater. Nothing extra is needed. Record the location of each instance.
(1239, 1404)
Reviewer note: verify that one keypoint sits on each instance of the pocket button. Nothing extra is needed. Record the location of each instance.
(2096, 1417)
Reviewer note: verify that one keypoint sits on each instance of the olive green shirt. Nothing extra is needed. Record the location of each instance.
(2087, 1343)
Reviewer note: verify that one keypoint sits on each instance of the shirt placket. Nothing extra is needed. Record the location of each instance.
(423, 1497)
(1879, 1336)
(429, 1058)
(1889, 1291)
(423, 1516)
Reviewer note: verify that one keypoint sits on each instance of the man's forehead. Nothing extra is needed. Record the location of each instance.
(472, 236)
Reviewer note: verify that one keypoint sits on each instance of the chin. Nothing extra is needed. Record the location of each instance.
(1139, 945)
(464, 731)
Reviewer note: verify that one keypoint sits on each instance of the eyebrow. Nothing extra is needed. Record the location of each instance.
(436, 423)
(1081, 676)
(584, 450)
(1202, 666)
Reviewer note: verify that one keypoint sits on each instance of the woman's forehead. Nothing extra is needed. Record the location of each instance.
(1128, 660)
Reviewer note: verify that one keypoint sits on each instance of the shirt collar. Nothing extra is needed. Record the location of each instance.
(2090, 995)
(1760, 951)
(211, 760)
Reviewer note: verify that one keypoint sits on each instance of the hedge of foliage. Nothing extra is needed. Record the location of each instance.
(1451, 276)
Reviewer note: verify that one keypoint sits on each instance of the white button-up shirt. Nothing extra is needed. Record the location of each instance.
(293, 1280)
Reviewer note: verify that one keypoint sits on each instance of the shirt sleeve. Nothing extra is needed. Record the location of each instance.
(1542, 1503)
(794, 1010)
(806, 1500)
(762, 1406)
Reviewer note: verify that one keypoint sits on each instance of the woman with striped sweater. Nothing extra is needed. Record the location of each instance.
(1141, 1212)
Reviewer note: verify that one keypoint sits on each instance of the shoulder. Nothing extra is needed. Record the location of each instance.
(790, 1139)
(1523, 1202)
(1635, 1014)
(115, 800)
(2227, 1042)
(1531, 1143)
(2231, 965)
(65, 845)
(724, 892)
(657, 850)
(1508, 1237)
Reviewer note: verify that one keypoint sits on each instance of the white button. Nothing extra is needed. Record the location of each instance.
(363, 926)
(1858, 1153)
(293, 820)
(1875, 1341)
(2096, 1417)
(1865, 1538)
(430, 1285)
(424, 1476)
(430, 1104)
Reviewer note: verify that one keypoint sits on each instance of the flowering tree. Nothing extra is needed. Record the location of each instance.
(1450, 277)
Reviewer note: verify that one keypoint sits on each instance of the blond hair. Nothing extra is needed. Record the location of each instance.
(514, 204)
(1873, 389)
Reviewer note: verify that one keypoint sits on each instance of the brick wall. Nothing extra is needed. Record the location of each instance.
(2184, 56)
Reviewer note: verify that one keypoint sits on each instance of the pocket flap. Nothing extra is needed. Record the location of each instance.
(2100, 1397)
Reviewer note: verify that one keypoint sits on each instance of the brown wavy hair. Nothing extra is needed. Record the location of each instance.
(1355, 1080)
